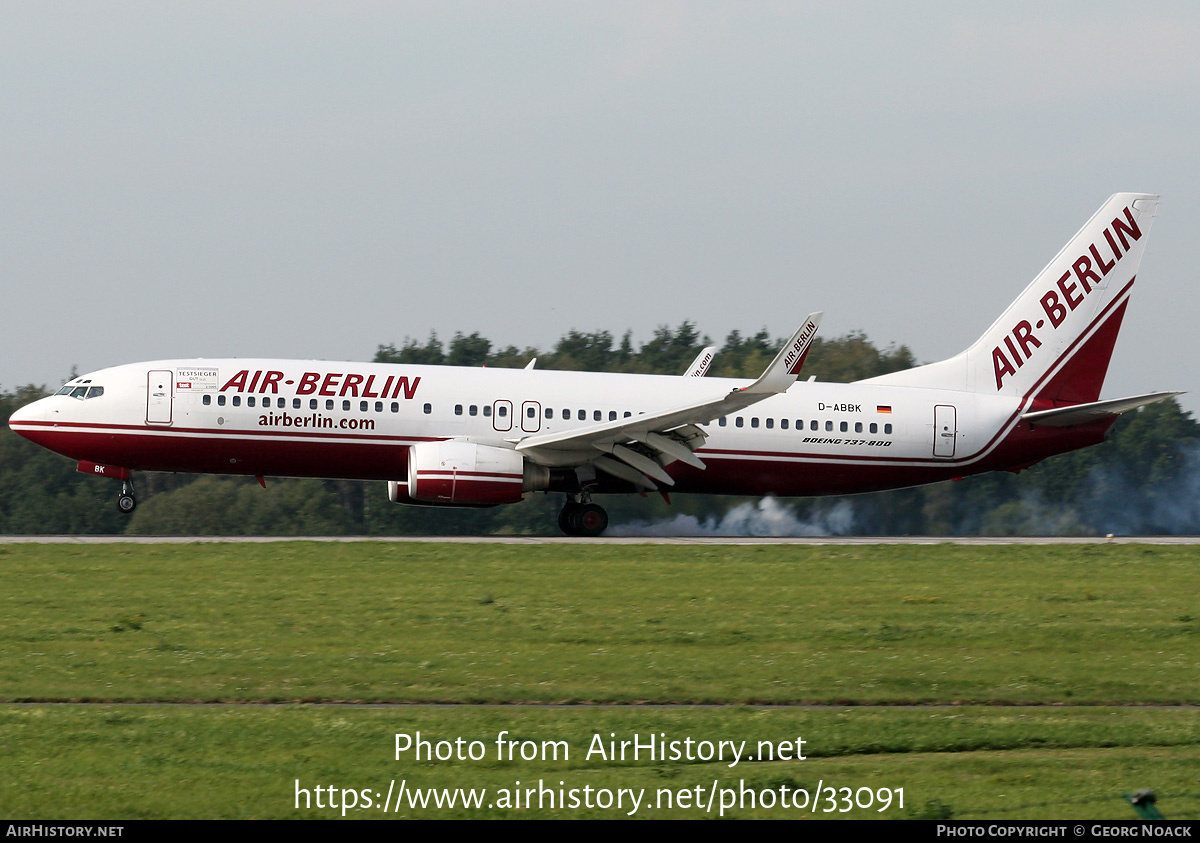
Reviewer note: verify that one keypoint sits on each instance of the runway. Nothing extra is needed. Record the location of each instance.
(810, 541)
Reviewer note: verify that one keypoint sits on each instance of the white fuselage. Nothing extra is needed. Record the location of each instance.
(356, 420)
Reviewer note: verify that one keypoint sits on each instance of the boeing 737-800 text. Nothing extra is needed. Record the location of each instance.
(1027, 389)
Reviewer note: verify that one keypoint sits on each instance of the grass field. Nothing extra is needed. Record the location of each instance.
(1084, 632)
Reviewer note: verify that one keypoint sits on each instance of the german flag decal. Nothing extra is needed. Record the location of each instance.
(883, 408)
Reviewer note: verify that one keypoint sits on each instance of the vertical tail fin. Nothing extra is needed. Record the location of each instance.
(1054, 342)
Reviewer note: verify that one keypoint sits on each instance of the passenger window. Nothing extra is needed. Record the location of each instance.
(843, 427)
(237, 401)
(379, 406)
(502, 410)
(858, 427)
(473, 410)
(328, 403)
(829, 425)
(312, 403)
(395, 406)
(487, 411)
(207, 400)
(220, 400)
(754, 422)
(739, 422)
(458, 409)
(345, 404)
(770, 423)
(295, 403)
(874, 428)
(250, 401)
(628, 414)
(530, 412)
(362, 406)
(549, 413)
(812, 425)
(428, 409)
(595, 415)
(721, 421)
(783, 424)
(887, 428)
(612, 415)
(567, 415)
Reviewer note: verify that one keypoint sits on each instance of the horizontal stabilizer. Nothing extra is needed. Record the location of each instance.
(1095, 411)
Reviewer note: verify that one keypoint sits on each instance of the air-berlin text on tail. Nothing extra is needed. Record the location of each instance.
(1067, 294)
(332, 384)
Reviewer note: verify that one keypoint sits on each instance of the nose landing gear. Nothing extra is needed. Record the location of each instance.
(126, 502)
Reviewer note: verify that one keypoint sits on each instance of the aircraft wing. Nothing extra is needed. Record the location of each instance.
(1094, 411)
(637, 447)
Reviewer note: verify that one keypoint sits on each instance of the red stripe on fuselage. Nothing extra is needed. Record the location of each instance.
(333, 456)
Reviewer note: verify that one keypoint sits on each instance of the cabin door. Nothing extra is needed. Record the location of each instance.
(160, 386)
(945, 430)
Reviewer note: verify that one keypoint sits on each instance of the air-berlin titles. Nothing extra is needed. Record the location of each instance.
(1072, 289)
(799, 349)
(331, 384)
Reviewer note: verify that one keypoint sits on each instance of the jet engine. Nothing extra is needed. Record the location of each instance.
(456, 473)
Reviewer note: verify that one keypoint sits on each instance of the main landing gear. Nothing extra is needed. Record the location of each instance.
(126, 502)
(582, 517)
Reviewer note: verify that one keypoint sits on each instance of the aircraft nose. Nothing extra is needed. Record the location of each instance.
(32, 412)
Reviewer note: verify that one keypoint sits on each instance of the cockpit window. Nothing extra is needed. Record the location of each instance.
(82, 392)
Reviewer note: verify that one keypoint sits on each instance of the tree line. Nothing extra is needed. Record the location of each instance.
(1143, 480)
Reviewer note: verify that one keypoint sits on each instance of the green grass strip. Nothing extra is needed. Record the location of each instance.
(1079, 624)
(129, 762)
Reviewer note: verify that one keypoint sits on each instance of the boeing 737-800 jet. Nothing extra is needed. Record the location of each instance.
(1027, 389)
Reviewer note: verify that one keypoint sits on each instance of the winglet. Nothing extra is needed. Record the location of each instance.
(699, 367)
(783, 370)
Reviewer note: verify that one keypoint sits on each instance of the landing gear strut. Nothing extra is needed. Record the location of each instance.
(582, 518)
(126, 502)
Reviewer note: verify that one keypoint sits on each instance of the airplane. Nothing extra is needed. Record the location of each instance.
(1027, 389)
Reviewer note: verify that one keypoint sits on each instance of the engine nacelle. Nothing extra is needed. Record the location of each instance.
(398, 493)
(453, 473)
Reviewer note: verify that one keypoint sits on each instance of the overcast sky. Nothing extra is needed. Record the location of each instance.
(313, 179)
